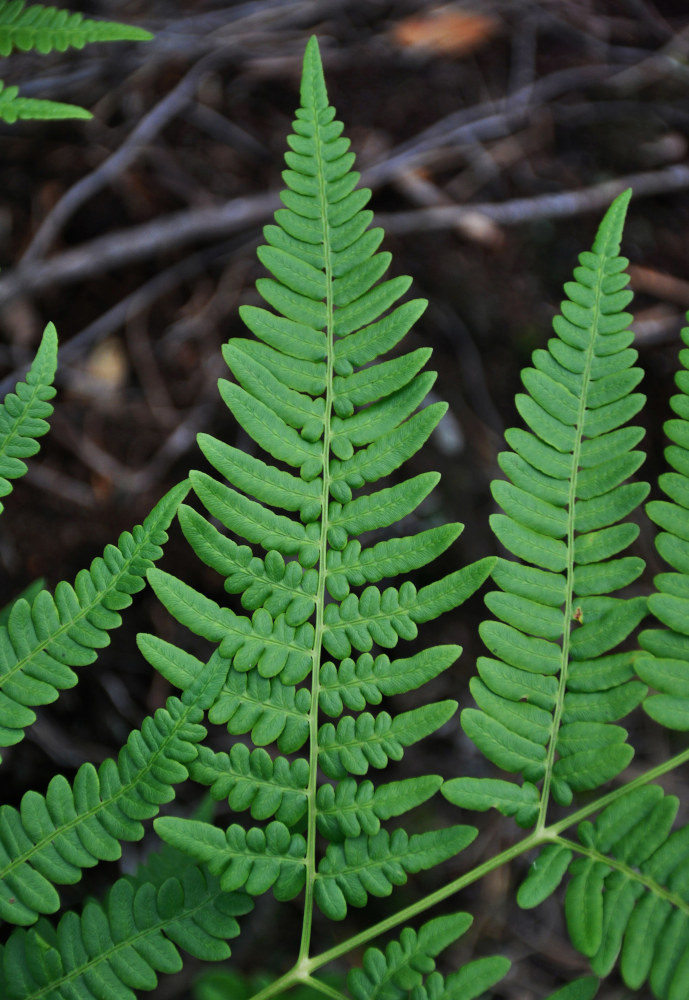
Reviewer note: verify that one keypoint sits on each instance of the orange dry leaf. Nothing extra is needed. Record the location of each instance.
(447, 30)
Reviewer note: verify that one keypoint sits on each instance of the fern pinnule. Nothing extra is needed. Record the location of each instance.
(666, 669)
(44, 639)
(553, 685)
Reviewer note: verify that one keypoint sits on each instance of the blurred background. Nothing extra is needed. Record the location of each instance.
(493, 136)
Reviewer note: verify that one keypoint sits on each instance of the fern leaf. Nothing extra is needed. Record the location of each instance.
(667, 668)
(24, 413)
(348, 809)
(369, 741)
(407, 962)
(254, 860)
(508, 798)
(628, 892)
(363, 865)
(116, 947)
(368, 680)
(332, 419)
(51, 838)
(45, 639)
(44, 29)
(268, 787)
(14, 107)
(553, 686)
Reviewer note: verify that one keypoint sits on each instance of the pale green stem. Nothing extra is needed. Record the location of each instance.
(311, 866)
(547, 835)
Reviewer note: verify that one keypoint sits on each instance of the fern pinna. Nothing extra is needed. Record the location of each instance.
(313, 395)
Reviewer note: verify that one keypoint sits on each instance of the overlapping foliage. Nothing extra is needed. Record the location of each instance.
(301, 674)
(44, 29)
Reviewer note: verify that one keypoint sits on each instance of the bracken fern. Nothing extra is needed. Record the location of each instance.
(301, 673)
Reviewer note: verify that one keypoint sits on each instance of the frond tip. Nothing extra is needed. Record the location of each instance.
(24, 413)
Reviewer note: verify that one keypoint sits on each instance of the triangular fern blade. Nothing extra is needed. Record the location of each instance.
(24, 413)
(565, 512)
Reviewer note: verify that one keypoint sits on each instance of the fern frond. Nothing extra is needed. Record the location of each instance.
(51, 838)
(24, 413)
(44, 29)
(254, 860)
(367, 681)
(371, 741)
(408, 964)
(667, 668)
(45, 639)
(268, 787)
(14, 107)
(348, 809)
(333, 419)
(116, 947)
(362, 865)
(553, 685)
(628, 891)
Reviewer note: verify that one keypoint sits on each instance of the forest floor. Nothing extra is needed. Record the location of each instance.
(493, 136)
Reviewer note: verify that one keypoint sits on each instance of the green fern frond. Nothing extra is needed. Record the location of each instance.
(349, 809)
(627, 895)
(268, 787)
(51, 838)
(14, 107)
(364, 865)
(667, 668)
(371, 741)
(43, 640)
(553, 684)
(44, 29)
(334, 420)
(119, 946)
(24, 413)
(408, 964)
(254, 860)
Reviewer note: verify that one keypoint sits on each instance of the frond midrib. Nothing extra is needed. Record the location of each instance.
(569, 572)
(312, 808)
